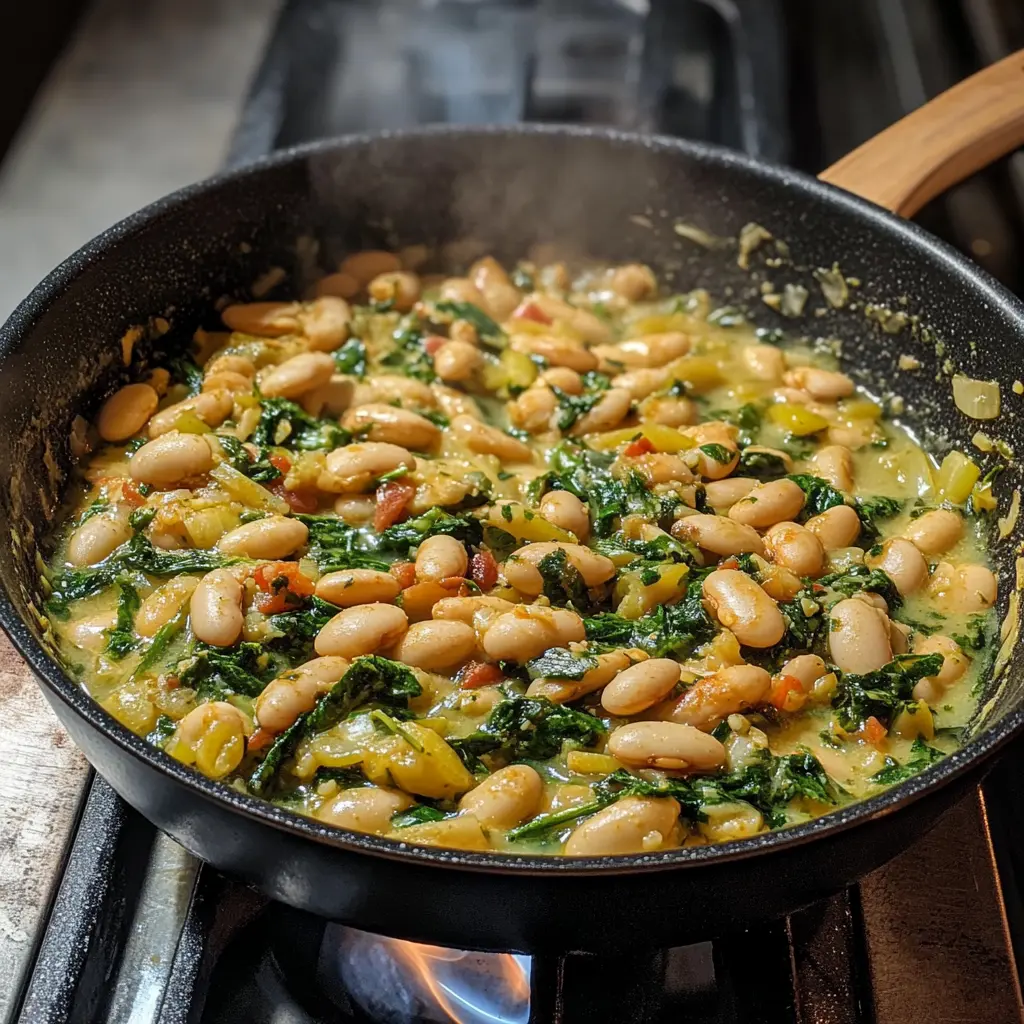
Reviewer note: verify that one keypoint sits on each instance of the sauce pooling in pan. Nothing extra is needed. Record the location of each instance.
(516, 561)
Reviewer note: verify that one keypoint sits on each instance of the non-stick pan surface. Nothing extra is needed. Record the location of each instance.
(592, 193)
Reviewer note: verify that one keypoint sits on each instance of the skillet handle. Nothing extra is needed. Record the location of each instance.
(931, 149)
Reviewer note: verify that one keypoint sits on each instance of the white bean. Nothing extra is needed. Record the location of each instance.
(520, 569)
(391, 425)
(215, 609)
(765, 362)
(530, 630)
(964, 589)
(487, 440)
(635, 824)
(719, 535)
(836, 527)
(399, 287)
(564, 510)
(935, 532)
(170, 459)
(505, 798)
(611, 409)
(98, 536)
(457, 361)
(609, 665)
(270, 538)
(439, 557)
(651, 350)
(723, 494)
(640, 686)
(295, 692)
(364, 809)
(712, 699)
(834, 463)
(742, 606)
(557, 350)
(902, 562)
(768, 504)
(858, 638)
(796, 548)
(954, 665)
(348, 587)
(362, 629)
(436, 645)
(823, 385)
(671, 745)
(126, 412)
(212, 407)
(355, 468)
(159, 607)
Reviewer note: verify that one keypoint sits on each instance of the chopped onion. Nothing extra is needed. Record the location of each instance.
(978, 399)
(1009, 521)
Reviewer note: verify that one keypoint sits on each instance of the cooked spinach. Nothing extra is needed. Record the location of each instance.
(162, 731)
(402, 537)
(563, 582)
(921, 756)
(761, 465)
(122, 639)
(670, 630)
(560, 663)
(718, 452)
(408, 356)
(489, 332)
(161, 641)
(296, 630)
(883, 693)
(137, 554)
(334, 544)
(871, 510)
(860, 578)
(529, 727)
(820, 495)
(351, 358)
(369, 680)
(184, 371)
(259, 469)
(287, 425)
(572, 407)
(416, 816)
(215, 673)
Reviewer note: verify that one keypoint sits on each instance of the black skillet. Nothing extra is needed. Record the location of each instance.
(591, 192)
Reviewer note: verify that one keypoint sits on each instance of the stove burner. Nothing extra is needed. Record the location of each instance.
(394, 981)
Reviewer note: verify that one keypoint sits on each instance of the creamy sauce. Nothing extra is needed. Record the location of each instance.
(622, 427)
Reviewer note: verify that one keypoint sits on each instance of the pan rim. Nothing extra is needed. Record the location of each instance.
(48, 671)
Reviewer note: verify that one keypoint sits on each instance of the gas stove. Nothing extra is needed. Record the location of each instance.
(141, 932)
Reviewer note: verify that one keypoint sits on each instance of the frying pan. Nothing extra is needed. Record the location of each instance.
(598, 193)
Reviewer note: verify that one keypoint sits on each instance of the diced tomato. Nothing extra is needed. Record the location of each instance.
(483, 570)
(282, 587)
(405, 573)
(531, 311)
(258, 740)
(782, 689)
(298, 501)
(729, 563)
(433, 342)
(872, 731)
(280, 462)
(130, 492)
(479, 673)
(459, 586)
(392, 497)
(641, 446)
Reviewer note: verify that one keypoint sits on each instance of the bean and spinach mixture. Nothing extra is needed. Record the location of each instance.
(523, 561)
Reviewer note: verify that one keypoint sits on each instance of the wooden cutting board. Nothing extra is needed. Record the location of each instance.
(42, 780)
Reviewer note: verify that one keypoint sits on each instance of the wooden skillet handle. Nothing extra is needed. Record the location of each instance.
(939, 144)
